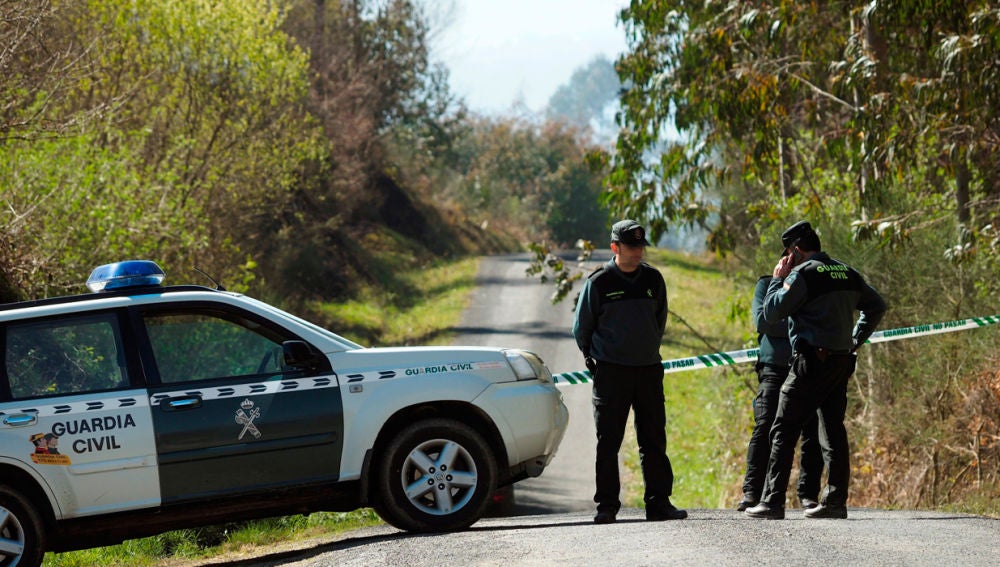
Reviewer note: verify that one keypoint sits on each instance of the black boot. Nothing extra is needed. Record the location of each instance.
(664, 510)
(765, 511)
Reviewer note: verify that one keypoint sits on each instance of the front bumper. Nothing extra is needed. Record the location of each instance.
(532, 420)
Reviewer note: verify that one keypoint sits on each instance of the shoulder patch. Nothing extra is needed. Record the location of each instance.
(808, 265)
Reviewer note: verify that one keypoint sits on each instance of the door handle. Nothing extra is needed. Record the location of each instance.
(20, 419)
(182, 403)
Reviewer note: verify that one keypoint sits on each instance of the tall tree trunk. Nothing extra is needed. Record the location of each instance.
(863, 172)
(878, 51)
(786, 163)
(962, 176)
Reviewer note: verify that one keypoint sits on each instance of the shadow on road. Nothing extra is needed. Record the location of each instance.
(313, 551)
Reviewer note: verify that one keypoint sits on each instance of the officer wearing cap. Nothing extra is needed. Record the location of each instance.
(819, 295)
(619, 324)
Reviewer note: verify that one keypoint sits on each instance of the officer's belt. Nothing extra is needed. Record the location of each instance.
(821, 352)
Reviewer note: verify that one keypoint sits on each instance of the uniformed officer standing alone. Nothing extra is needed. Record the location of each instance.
(619, 324)
(819, 295)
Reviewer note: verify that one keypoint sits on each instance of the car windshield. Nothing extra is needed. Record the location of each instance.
(347, 344)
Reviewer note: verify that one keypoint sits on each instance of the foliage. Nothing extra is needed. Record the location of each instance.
(770, 96)
(165, 102)
(876, 121)
(27, 58)
(373, 90)
(532, 178)
(216, 541)
(253, 141)
(549, 264)
(419, 307)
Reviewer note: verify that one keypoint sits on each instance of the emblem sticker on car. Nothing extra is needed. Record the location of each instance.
(245, 416)
(47, 450)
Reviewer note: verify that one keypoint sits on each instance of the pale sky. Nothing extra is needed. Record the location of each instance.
(504, 51)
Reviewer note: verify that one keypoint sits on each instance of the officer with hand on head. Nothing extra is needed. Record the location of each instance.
(619, 324)
(819, 296)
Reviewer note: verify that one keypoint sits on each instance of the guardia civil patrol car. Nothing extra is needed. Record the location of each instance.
(141, 408)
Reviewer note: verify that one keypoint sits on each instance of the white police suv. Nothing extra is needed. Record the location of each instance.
(142, 408)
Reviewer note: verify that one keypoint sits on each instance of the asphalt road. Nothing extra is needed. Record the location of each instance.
(552, 522)
(716, 538)
(510, 309)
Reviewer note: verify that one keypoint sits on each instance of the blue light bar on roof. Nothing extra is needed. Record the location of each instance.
(120, 275)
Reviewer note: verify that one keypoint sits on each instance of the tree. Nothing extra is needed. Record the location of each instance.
(586, 99)
(766, 93)
(532, 178)
(184, 122)
(33, 68)
(878, 121)
(381, 104)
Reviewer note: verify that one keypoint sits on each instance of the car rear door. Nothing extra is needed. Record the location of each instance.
(74, 411)
(230, 418)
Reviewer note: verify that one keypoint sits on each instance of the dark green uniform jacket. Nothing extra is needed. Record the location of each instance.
(775, 348)
(821, 296)
(620, 317)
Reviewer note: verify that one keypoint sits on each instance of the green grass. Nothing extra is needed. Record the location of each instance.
(184, 546)
(420, 309)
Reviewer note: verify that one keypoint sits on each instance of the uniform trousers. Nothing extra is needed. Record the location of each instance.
(616, 390)
(765, 407)
(817, 382)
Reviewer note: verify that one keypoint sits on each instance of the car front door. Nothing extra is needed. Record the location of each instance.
(229, 416)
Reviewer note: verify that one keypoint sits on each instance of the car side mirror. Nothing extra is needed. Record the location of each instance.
(299, 354)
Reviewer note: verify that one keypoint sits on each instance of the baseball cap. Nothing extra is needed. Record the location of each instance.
(629, 232)
(800, 232)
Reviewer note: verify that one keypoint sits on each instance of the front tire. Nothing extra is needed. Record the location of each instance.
(22, 535)
(436, 475)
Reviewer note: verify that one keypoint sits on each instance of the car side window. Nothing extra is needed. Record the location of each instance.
(65, 356)
(202, 345)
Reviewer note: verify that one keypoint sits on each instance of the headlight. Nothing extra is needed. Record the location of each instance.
(528, 365)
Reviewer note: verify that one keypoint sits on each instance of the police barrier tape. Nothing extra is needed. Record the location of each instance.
(749, 355)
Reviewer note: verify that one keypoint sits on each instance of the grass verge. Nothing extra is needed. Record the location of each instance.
(420, 309)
